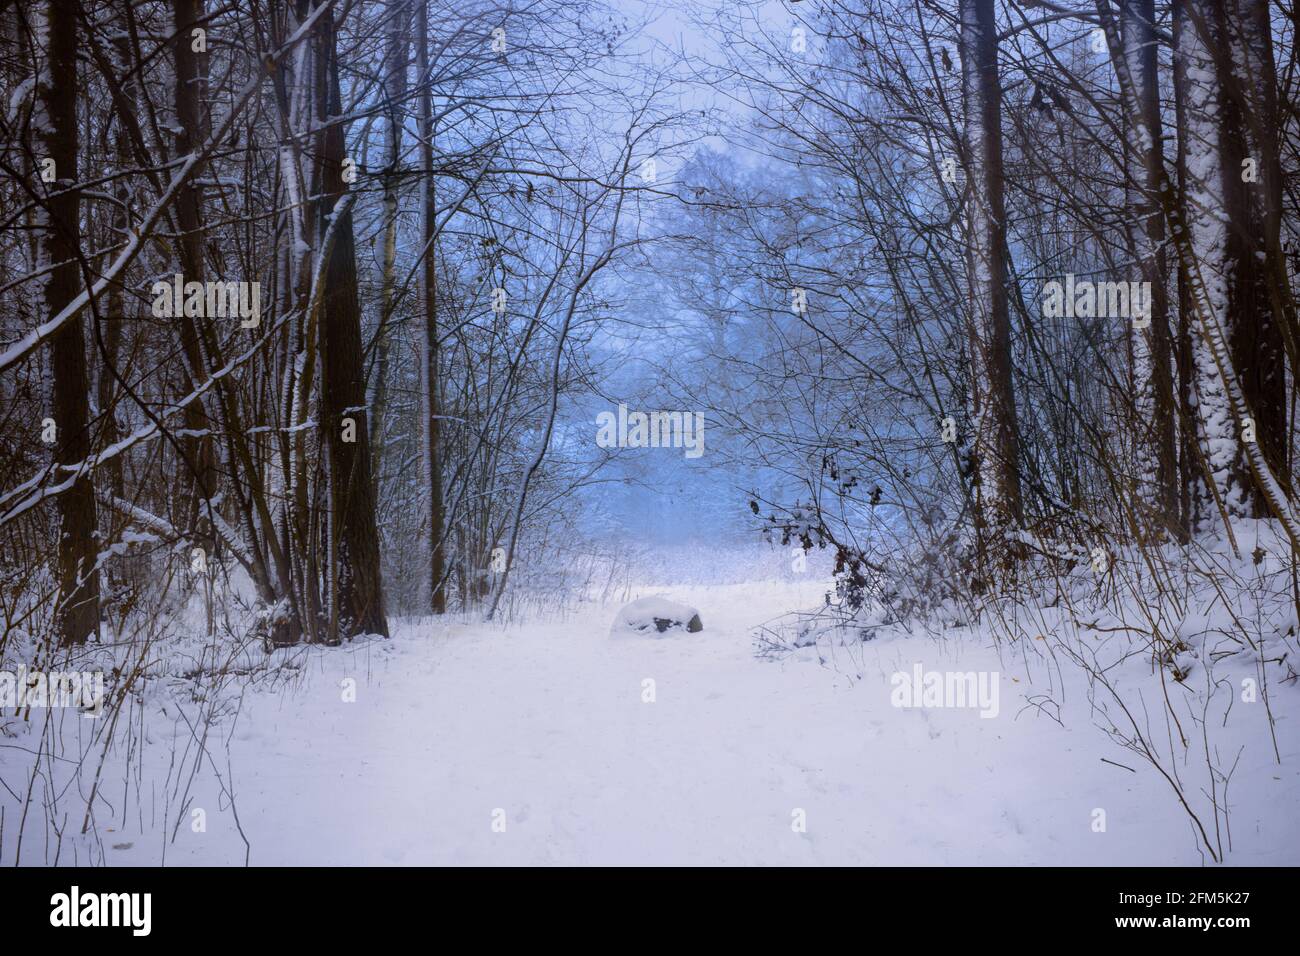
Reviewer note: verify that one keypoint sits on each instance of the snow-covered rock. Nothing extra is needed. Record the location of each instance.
(654, 616)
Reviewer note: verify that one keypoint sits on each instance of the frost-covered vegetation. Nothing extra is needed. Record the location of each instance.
(367, 368)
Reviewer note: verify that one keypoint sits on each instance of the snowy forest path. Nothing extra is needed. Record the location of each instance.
(477, 744)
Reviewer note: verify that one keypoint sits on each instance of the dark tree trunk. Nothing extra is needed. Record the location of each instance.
(996, 436)
(1261, 298)
(357, 597)
(196, 444)
(1191, 490)
(429, 384)
(58, 242)
(115, 301)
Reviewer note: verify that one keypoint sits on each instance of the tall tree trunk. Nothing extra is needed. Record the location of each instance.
(429, 383)
(996, 434)
(115, 301)
(59, 239)
(396, 54)
(1152, 374)
(300, 173)
(1207, 208)
(1261, 300)
(1191, 492)
(1203, 236)
(356, 595)
(196, 444)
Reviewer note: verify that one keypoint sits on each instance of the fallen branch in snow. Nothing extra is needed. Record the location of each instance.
(1114, 764)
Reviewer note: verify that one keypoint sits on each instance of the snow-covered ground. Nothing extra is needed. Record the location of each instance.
(544, 744)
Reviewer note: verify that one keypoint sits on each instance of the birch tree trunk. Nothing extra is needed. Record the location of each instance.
(1152, 374)
(1203, 228)
(1207, 203)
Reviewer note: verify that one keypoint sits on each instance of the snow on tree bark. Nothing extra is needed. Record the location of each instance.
(1206, 210)
(1200, 228)
(1152, 381)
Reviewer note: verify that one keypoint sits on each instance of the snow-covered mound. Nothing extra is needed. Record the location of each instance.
(656, 615)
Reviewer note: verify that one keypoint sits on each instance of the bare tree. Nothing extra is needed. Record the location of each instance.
(993, 406)
(429, 379)
(352, 563)
(58, 254)
(1151, 369)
